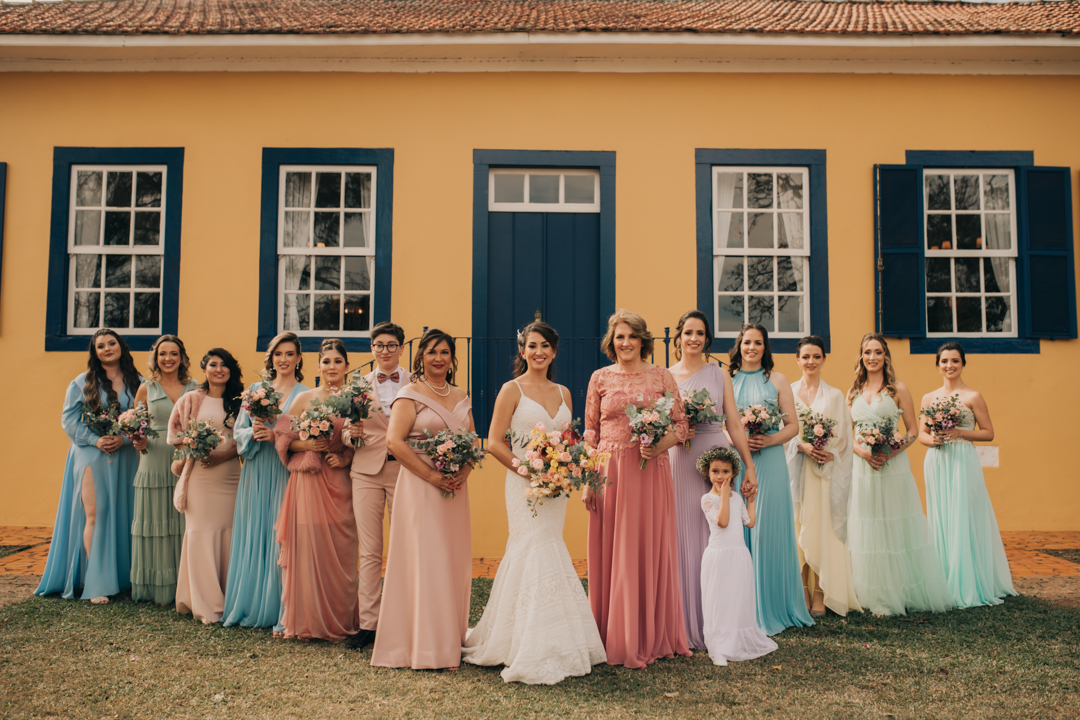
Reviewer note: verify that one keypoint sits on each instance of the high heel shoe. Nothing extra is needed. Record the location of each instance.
(822, 611)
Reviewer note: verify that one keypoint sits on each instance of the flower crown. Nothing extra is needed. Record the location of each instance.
(725, 454)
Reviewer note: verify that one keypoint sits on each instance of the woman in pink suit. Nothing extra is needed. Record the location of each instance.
(633, 568)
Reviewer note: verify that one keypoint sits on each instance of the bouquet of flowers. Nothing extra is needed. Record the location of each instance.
(134, 424)
(648, 423)
(314, 423)
(451, 451)
(699, 409)
(559, 461)
(262, 401)
(762, 418)
(195, 445)
(944, 414)
(881, 437)
(817, 429)
(103, 421)
(353, 401)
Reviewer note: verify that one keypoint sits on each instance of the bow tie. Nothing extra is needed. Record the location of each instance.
(393, 377)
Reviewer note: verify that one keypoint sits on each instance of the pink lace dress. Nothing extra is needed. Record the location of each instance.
(633, 566)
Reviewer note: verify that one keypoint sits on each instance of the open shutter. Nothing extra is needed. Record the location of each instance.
(900, 277)
(1048, 289)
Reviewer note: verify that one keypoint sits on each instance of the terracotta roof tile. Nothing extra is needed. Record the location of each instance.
(365, 17)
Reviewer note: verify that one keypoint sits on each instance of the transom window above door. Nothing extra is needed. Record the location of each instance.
(524, 190)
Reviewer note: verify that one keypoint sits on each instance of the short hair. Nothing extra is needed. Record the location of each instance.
(388, 328)
(723, 454)
(637, 325)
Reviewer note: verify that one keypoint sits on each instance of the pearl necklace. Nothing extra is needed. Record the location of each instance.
(446, 387)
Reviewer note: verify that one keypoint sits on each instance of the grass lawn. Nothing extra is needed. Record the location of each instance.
(66, 659)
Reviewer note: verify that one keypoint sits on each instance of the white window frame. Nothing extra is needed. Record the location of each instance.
(984, 252)
(796, 254)
(561, 206)
(102, 249)
(341, 251)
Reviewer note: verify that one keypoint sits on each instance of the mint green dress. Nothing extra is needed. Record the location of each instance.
(157, 531)
(963, 525)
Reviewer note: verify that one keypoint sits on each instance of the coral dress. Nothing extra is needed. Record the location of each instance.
(633, 564)
(424, 617)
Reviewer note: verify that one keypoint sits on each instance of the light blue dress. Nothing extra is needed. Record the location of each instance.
(107, 570)
(253, 589)
(777, 575)
(962, 524)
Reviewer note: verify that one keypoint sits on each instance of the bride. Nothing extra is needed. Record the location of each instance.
(537, 621)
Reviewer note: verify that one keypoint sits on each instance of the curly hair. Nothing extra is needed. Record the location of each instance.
(723, 454)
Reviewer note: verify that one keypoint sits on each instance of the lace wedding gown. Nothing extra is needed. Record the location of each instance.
(537, 621)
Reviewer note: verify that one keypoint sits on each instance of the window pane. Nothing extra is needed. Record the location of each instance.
(968, 232)
(996, 275)
(998, 232)
(509, 188)
(357, 276)
(88, 190)
(730, 313)
(730, 230)
(789, 312)
(759, 191)
(297, 272)
(789, 274)
(761, 230)
(87, 271)
(297, 190)
(358, 190)
(969, 314)
(117, 272)
(998, 316)
(789, 233)
(147, 274)
(87, 307)
(327, 275)
(938, 314)
(789, 189)
(118, 192)
(996, 192)
(117, 228)
(967, 275)
(761, 311)
(328, 190)
(356, 229)
(116, 310)
(760, 273)
(937, 192)
(146, 310)
(357, 313)
(938, 275)
(731, 275)
(87, 227)
(966, 190)
(148, 192)
(544, 188)
(729, 190)
(297, 230)
(327, 312)
(297, 312)
(579, 189)
(327, 227)
(939, 232)
(147, 228)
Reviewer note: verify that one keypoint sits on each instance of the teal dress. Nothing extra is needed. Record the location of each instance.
(777, 575)
(107, 569)
(157, 531)
(253, 588)
(893, 564)
(962, 524)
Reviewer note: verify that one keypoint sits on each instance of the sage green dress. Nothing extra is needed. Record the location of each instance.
(157, 532)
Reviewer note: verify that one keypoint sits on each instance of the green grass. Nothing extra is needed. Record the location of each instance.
(67, 659)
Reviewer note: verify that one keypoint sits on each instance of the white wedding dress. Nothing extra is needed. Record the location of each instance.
(537, 621)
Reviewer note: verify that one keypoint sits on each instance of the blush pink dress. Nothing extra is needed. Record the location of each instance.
(633, 566)
(317, 534)
(424, 615)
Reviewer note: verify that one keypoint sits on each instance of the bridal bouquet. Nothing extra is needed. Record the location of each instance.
(944, 414)
(198, 441)
(451, 451)
(262, 401)
(314, 423)
(881, 437)
(103, 421)
(353, 401)
(134, 424)
(559, 461)
(649, 423)
(762, 418)
(699, 409)
(817, 429)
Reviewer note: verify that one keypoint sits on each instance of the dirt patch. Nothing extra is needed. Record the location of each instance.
(1072, 556)
(1061, 591)
(14, 588)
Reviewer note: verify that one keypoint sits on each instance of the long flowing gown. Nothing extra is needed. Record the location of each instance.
(157, 530)
(820, 495)
(692, 529)
(727, 586)
(424, 617)
(777, 573)
(633, 564)
(893, 563)
(963, 525)
(317, 535)
(537, 621)
(107, 568)
(253, 590)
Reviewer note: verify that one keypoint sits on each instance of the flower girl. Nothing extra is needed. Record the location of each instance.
(727, 575)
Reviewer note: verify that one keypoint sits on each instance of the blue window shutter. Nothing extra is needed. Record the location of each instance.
(900, 276)
(1047, 288)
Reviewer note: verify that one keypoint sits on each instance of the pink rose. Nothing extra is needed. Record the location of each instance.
(541, 427)
(264, 402)
(523, 471)
(646, 440)
(818, 430)
(537, 464)
(565, 457)
(515, 462)
(590, 435)
(324, 425)
(898, 438)
(303, 435)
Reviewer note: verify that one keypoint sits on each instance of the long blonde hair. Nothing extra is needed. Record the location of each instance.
(860, 370)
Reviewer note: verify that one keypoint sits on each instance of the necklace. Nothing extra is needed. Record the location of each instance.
(445, 386)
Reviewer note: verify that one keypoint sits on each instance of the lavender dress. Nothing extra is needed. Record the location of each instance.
(691, 526)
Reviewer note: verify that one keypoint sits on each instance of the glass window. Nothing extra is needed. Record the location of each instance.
(563, 191)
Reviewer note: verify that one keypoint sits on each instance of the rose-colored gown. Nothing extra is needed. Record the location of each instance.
(317, 534)
(424, 615)
(633, 567)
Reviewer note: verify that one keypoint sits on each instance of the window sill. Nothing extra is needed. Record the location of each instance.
(312, 344)
(978, 346)
(80, 343)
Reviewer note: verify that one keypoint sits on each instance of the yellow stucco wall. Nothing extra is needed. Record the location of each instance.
(434, 122)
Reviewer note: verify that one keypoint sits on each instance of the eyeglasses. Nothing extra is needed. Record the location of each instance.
(379, 347)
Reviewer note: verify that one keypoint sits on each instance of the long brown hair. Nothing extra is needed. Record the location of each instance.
(97, 378)
(182, 373)
(861, 374)
(692, 315)
(735, 354)
(521, 365)
(268, 364)
(433, 337)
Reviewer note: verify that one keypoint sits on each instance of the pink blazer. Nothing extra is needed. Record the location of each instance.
(369, 460)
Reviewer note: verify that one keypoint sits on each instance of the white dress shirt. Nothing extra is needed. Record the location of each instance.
(389, 389)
